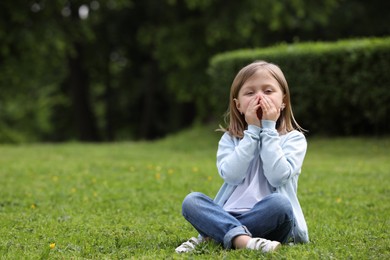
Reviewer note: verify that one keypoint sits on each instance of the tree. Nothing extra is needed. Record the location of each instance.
(136, 69)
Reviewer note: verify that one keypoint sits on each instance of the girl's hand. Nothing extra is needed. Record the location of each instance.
(270, 111)
(251, 117)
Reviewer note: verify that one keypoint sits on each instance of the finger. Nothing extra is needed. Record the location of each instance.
(264, 104)
(255, 100)
(254, 104)
(268, 103)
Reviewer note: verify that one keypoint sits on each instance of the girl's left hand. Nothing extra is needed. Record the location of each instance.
(270, 111)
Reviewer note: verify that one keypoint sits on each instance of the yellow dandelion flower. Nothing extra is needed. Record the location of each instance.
(55, 178)
(338, 200)
(170, 171)
(33, 206)
(195, 169)
(209, 178)
(73, 190)
(158, 176)
(52, 245)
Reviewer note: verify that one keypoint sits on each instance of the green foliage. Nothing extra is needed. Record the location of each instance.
(336, 88)
(102, 77)
(123, 200)
(30, 72)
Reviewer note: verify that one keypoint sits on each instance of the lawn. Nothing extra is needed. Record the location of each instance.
(123, 200)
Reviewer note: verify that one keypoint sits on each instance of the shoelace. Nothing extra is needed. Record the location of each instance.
(260, 243)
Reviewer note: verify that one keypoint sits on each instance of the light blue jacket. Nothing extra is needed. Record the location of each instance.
(282, 157)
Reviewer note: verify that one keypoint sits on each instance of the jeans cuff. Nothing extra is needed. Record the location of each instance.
(231, 234)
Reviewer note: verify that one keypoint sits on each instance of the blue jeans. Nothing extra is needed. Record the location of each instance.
(271, 218)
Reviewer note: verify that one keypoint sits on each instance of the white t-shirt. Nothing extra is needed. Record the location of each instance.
(252, 190)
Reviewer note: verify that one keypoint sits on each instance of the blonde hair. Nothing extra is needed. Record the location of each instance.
(235, 121)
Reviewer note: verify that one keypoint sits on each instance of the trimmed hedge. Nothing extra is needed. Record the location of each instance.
(339, 88)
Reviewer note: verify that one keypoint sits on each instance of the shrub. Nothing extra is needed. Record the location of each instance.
(338, 88)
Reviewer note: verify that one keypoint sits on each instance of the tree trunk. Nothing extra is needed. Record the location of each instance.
(147, 124)
(109, 103)
(78, 85)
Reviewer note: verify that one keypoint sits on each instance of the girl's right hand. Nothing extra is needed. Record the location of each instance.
(251, 116)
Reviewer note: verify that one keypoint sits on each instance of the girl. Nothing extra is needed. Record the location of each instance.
(259, 158)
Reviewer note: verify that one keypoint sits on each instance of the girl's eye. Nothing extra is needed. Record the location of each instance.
(249, 93)
(268, 91)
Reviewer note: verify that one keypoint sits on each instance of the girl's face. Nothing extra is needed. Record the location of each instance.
(262, 85)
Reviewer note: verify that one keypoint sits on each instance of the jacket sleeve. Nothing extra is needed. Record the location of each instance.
(281, 161)
(234, 156)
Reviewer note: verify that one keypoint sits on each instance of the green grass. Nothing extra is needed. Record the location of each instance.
(123, 200)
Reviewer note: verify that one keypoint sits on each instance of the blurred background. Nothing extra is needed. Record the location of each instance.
(128, 70)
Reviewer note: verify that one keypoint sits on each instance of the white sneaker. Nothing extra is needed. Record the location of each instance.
(188, 246)
(263, 244)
